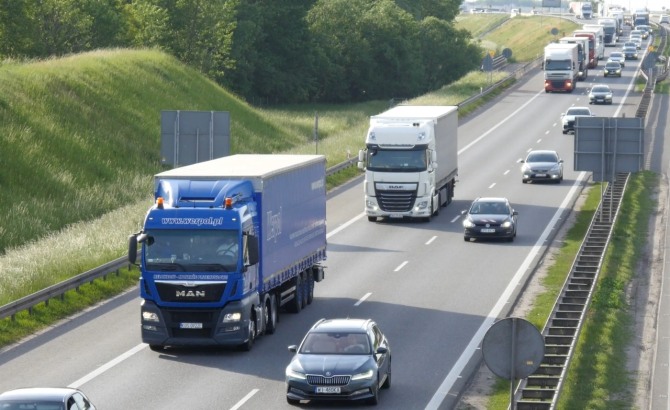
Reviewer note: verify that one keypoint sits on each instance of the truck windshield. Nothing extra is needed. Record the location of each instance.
(191, 250)
(557, 65)
(397, 160)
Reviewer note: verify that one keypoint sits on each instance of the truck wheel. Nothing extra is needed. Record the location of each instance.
(295, 305)
(305, 290)
(310, 288)
(437, 210)
(246, 346)
(270, 315)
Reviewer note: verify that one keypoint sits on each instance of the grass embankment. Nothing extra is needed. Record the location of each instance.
(597, 376)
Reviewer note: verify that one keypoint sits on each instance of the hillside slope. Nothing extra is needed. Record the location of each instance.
(80, 135)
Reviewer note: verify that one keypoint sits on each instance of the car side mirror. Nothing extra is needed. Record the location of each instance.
(293, 348)
(382, 350)
(515, 213)
(520, 161)
(463, 212)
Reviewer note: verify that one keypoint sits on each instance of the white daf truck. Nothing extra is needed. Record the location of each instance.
(410, 162)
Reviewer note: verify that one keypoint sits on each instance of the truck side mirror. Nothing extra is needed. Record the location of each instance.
(132, 249)
(361, 159)
(252, 248)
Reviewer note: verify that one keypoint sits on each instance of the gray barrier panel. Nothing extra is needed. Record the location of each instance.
(188, 137)
(607, 146)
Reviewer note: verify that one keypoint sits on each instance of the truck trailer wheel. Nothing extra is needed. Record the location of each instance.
(270, 314)
(295, 304)
(310, 287)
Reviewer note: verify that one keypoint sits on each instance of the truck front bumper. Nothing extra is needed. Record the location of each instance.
(421, 209)
(195, 327)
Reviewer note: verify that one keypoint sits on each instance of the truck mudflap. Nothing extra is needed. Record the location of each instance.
(200, 327)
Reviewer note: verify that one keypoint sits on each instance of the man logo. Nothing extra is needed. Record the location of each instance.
(190, 294)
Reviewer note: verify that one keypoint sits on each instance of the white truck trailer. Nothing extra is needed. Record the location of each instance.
(410, 161)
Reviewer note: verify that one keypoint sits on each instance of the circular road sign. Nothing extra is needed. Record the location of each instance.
(513, 348)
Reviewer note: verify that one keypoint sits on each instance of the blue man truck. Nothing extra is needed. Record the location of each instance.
(226, 245)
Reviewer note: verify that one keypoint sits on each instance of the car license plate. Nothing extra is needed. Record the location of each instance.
(395, 215)
(190, 325)
(488, 230)
(540, 175)
(328, 389)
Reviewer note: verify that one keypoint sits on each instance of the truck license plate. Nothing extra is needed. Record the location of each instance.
(488, 230)
(190, 325)
(328, 389)
(395, 215)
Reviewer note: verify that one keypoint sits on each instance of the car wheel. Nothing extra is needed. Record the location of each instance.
(387, 382)
(156, 348)
(372, 218)
(466, 238)
(564, 132)
(292, 402)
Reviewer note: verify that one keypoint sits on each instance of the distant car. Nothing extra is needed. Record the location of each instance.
(637, 40)
(645, 29)
(568, 118)
(600, 94)
(542, 165)
(339, 359)
(490, 218)
(51, 398)
(664, 19)
(629, 44)
(617, 56)
(630, 53)
(612, 68)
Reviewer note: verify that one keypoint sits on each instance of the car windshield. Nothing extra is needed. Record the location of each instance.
(579, 111)
(341, 343)
(613, 65)
(489, 208)
(541, 157)
(616, 55)
(601, 89)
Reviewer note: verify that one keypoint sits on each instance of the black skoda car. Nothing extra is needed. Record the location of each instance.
(490, 218)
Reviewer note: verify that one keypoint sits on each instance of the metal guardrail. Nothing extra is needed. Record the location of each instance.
(59, 289)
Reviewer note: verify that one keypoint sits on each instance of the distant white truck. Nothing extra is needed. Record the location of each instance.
(581, 9)
(583, 54)
(610, 30)
(560, 65)
(600, 38)
(410, 161)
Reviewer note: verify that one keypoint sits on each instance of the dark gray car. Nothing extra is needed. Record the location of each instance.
(339, 359)
(490, 218)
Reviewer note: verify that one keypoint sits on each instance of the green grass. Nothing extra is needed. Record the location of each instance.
(597, 377)
(480, 24)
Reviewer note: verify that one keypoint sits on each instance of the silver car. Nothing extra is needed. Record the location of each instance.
(568, 118)
(600, 94)
(56, 398)
(617, 57)
(542, 165)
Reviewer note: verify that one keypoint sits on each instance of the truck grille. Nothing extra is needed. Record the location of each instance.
(177, 292)
(328, 381)
(396, 201)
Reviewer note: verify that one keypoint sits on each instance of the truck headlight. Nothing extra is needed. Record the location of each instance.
(232, 317)
(422, 205)
(150, 316)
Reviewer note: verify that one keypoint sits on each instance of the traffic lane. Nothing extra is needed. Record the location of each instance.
(67, 351)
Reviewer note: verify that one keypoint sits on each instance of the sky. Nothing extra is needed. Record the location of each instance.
(653, 5)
